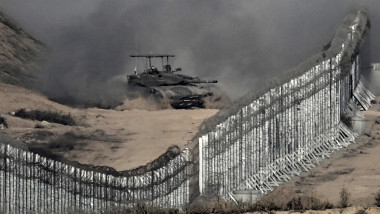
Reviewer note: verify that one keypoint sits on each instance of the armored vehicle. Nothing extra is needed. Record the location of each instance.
(182, 91)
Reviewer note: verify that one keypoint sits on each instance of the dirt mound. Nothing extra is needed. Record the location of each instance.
(353, 168)
(120, 139)
(19, 53)
(144, 103)
(125, 138)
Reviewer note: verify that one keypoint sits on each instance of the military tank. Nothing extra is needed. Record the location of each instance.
(182, 91)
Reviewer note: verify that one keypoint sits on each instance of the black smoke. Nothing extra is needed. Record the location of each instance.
(240, 43)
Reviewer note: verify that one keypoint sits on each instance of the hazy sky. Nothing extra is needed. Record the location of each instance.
(240, 43)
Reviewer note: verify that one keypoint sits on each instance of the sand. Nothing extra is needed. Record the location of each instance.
(130, 138)
(349, 210)
(355, 168)
(119, 139)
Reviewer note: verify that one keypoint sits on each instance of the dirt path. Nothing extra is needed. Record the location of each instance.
(120, 139)
(356, 168)
(136, 137)
(128, 139)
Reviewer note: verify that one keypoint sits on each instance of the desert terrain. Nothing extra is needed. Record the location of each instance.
(355, 168)
(138, 131)
(122, 139)
(349, 210)
(127, 138)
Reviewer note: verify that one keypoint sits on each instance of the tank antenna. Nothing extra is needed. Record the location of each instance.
(136, 53)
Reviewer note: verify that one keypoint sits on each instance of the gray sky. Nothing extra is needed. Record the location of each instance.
(240, 43)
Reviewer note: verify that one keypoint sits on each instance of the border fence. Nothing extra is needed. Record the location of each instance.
(256, 144)
(290, 127)
(31, 183)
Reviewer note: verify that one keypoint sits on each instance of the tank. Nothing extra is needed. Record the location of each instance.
(182, 91)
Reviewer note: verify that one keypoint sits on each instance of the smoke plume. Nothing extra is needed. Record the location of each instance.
(240, 43)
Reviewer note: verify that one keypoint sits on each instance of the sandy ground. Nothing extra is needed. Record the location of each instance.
(355, 168)
(128, 139)
(349, 210)
(120, 139)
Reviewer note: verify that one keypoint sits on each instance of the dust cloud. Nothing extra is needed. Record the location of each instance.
(239, 43)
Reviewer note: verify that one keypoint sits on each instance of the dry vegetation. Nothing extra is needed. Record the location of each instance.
(341, 169)
(122, 139)
(49, 116)
(18, 53)
(3, 123)
(312, 204)
(109, 137)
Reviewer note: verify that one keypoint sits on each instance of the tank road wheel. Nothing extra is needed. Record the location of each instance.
(188, 102)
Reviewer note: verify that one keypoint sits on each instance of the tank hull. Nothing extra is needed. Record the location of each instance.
(183, 97)
(182, 91)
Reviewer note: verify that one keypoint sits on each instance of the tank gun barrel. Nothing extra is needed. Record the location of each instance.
(211, 81)
(203, 81)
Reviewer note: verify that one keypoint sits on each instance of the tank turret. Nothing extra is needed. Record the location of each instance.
(182, 91)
